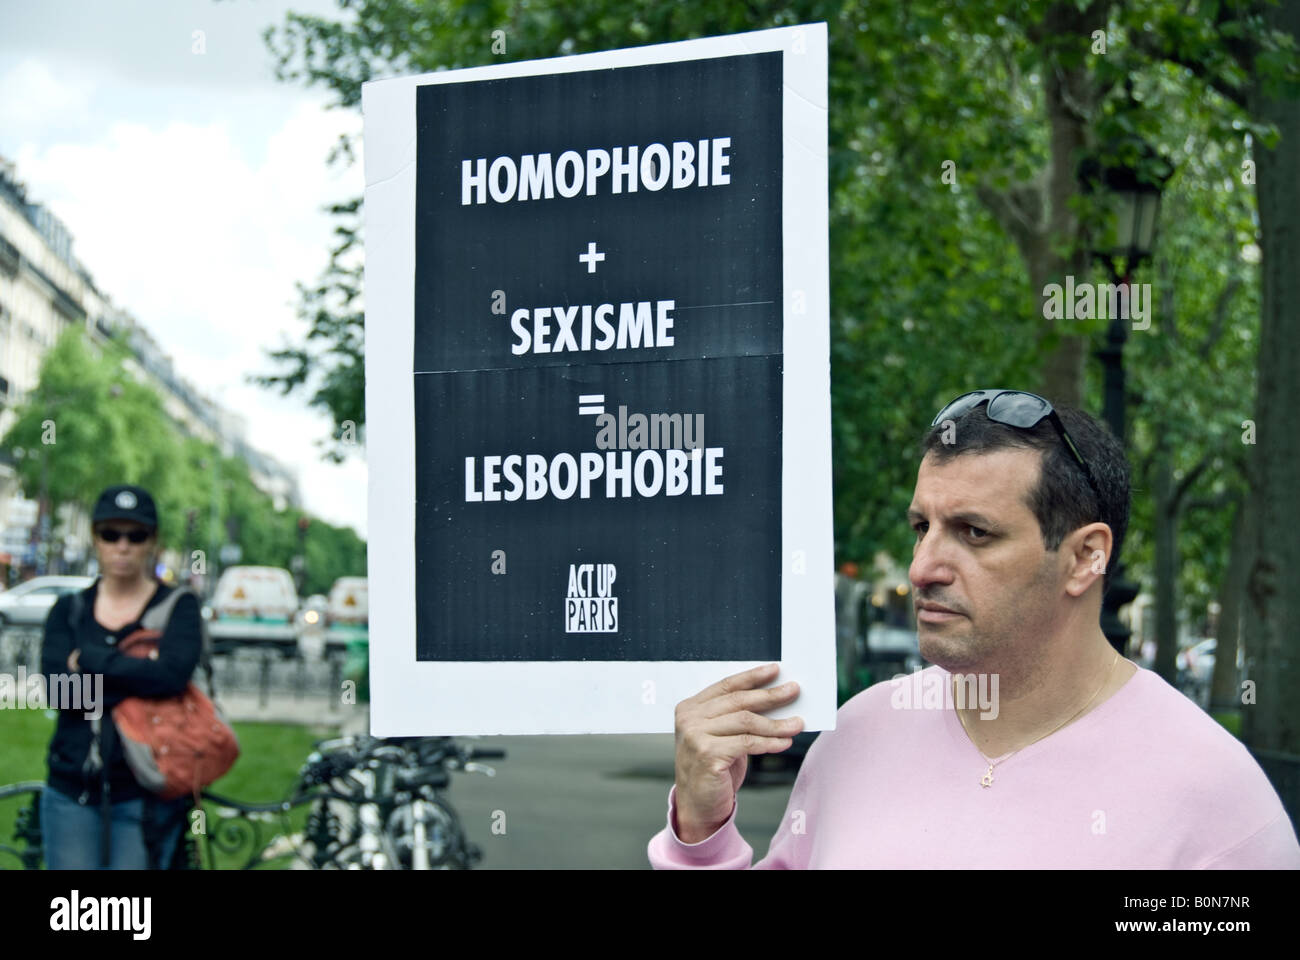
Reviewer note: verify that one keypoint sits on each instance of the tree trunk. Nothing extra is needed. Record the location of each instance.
(1272, 616)
(1060, 374)
(1166, 544)
(1038, 216)
(1070, 99)
(1225, 692)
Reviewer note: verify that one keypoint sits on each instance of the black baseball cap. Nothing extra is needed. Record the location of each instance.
(126, 502)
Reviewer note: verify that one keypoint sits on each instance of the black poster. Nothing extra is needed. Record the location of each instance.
(598, 364)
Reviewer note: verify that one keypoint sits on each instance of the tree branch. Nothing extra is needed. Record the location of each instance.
(1216, 502)
(1017, 210)
(1188, 479)
(1069, 104)
(1168, 318)
(1224, 299)
(1156, 49)
(1142, 465)
(1220, 315)
(1012, 68)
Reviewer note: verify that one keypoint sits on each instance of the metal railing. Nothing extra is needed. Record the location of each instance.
(239, 668)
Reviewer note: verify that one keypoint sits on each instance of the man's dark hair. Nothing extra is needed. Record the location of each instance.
(1062, 500)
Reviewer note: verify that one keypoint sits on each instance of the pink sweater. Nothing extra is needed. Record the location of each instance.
(1144, 780)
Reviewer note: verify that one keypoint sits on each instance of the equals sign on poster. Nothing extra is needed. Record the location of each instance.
(590, 404)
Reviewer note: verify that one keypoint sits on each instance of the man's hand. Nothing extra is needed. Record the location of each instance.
(73, 658)
(716, 730)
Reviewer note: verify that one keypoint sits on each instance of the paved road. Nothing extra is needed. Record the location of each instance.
(568, 802)
(588, 802)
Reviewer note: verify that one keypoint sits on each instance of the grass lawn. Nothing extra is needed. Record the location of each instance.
(1230, 720)
(270, 755)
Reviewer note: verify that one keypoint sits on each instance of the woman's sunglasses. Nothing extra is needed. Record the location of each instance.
(1017, 408)
(112, 535)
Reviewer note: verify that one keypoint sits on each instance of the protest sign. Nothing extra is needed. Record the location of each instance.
(597, 385)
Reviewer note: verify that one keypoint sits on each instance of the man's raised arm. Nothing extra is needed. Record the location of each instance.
(716, 731)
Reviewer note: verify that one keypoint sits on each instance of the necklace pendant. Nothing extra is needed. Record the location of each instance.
(987, 779)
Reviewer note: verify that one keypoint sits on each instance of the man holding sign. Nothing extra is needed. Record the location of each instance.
(1079, 759)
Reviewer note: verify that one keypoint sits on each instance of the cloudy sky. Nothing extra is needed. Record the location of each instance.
(193, 186)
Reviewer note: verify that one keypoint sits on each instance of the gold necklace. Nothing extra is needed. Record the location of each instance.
(987, 779)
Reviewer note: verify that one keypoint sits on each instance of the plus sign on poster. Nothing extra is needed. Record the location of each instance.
(597, 386)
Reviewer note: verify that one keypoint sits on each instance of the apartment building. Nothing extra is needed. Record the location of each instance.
(44, 291)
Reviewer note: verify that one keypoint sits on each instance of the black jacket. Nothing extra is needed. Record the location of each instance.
(124, 676)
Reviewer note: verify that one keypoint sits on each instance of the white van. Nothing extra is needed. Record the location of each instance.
(254, 605)
(349, 602)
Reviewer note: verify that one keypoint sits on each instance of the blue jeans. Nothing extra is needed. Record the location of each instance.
(71, 833)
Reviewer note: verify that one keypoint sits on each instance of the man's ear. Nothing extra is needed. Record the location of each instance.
(1088, 550)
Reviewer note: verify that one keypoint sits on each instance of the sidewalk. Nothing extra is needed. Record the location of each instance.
(286, 708)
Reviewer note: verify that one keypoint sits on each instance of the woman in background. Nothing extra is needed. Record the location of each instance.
(94, 814)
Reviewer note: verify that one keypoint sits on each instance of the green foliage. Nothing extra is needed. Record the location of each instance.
(1192, 375)
(270, 538)
(929, 295)
(1230, 721)
(90, 423)
(331, 364)
(331, 552)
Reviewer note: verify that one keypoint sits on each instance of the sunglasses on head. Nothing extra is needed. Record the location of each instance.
(1017, 408)
(112, 535)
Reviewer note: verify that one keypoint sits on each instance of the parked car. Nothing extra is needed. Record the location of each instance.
(28, 604)
(892, 650)
(1198, 658)
(1195, 669)
(254, 606)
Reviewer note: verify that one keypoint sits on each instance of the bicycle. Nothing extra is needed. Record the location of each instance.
(375, 805)
(379, 805)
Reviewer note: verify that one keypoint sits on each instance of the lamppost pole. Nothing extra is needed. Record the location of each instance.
(1121, 590)
(300, 561)
(1131, 189)
(214, 527)
(43, 524)
(1112, 362)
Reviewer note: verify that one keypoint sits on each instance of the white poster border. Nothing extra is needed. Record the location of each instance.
(410, 697)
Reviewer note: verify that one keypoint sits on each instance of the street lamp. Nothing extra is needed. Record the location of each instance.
(40, 543)
(1128, 189)
(299, 562)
